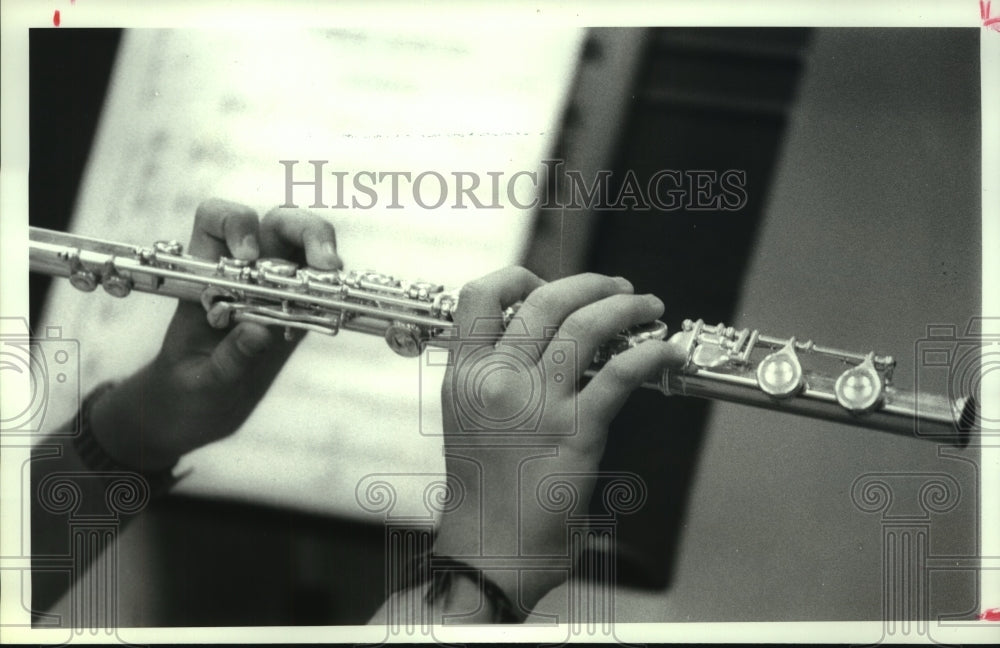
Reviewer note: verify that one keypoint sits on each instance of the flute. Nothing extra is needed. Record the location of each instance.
(722, 363)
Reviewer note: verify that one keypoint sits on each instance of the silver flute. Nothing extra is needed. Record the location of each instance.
(722, 363)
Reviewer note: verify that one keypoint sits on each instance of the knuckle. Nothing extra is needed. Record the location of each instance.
(208, 207)
(521, 274)
(513, 277)
(274, 214)
(217, 207)
(471, 291)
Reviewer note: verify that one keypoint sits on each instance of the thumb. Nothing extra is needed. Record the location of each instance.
(237, 354)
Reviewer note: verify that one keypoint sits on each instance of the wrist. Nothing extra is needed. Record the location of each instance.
(523, 550)
(510, 522)
(121, 423)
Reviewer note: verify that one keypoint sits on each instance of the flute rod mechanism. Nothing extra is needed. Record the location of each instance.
(722, 363)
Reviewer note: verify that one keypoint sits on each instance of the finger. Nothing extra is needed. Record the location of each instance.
(223, 228)
(545, 309)
(607, 392)
(481, 304)
(586, 329)
(189, 333)
(238, 354)
(287, 233)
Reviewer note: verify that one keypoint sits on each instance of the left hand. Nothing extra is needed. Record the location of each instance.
(205, 382)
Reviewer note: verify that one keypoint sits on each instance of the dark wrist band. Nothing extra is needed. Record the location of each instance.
(440, 572)
(96, 458)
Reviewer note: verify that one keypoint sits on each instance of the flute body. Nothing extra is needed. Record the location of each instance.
(723, 363)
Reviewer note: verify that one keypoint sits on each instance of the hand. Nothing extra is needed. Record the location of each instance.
(205, 382)
(515, 412)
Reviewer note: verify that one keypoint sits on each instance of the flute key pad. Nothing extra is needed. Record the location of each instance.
(860, 388)
(780, 373)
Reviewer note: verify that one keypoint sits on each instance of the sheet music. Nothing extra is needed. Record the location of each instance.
(192, 115)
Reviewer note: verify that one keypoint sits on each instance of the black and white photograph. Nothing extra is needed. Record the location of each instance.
(378, 325)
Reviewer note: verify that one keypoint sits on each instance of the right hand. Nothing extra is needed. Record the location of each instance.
(536, 366)
(205, 382)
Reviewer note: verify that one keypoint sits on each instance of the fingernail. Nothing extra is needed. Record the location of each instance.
(248, 247)
(624, 283)
(330, 253)
(654, 301)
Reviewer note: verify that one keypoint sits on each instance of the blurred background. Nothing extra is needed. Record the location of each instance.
(861, 150)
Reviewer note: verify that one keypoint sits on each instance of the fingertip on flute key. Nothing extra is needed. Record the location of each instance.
(247, 249)
(674, 351)
(331, 258)
(253, 339)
